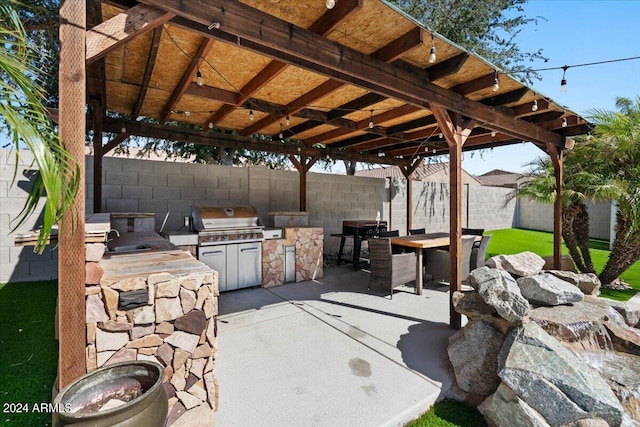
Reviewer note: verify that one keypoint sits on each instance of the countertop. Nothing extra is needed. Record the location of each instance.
(161, 256)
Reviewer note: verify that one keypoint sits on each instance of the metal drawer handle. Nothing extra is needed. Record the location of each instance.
(212, 253)
(249, 250)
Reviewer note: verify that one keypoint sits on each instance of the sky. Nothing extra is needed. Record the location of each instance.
(574, 32)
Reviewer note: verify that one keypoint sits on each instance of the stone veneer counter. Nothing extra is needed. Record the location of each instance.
(308, 242)
(175, 327)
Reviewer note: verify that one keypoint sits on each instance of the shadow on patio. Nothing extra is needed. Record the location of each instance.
(329, 352)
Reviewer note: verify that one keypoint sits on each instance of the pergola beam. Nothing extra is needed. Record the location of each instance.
(276, 38)
(115, 32)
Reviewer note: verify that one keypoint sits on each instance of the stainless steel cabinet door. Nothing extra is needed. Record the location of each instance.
(215, 257)
(249, 264)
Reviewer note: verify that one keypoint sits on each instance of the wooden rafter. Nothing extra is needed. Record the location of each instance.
(186, 79)
(276, 38)
(447, 67)
(388, 53)
(114, 32)
(148, 71)
(506, 98)
(474, 85)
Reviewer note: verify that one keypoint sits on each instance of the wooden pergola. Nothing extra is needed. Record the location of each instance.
(356, 82)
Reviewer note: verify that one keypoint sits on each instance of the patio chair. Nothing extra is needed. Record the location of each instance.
(417, 231)
(436, 261)
(387, 269)
(391, 233)
(479, 254)
(473, 232)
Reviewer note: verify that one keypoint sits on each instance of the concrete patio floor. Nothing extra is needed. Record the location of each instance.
(330, 353)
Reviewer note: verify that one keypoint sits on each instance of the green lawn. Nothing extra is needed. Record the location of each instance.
(449, 413)
(28, 350)
(513, 240)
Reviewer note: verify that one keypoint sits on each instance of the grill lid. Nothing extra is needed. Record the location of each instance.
(223, 217)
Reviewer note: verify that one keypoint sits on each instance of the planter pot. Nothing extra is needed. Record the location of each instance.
(137, 383)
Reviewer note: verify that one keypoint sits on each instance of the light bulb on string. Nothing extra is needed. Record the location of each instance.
(331, 4)
(371, 120)
(493, 133)
(534, 107)
(199, 79)
(123, 129)
(432, 52)
(187, 113)
(251, 115)
(280, 134)
(496, 82)
(210, 125)
(564, 122)
(563, 82)
(286, 120)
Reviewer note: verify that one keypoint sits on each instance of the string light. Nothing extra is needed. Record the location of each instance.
(432, 52)
(123, 129)
(564, 122)
(199, 79)
(280, 134)
(287, 120)
(563, 82)
(496, 82)
(331, 4)
(187, 113)
(493, 133)
(251, 115)
(210, 125)
(371, 120)
(534, 107)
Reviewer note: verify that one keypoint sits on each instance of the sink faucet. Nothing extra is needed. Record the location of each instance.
(112, 230)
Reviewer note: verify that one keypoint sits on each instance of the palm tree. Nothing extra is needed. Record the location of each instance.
(24, 119)
(618, 150)
(605, 167)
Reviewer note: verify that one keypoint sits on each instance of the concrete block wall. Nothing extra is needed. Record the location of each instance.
(540, 217)
(161, 187)
(20, 263)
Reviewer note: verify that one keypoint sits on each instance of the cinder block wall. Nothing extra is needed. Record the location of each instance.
(540, 217)
(20, 263)
(132, 185)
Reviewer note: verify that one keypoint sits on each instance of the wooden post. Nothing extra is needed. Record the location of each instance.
(557, 161)
(303, 166)
(409, 202)
(456, 131)
(96, 107)
(71, 259)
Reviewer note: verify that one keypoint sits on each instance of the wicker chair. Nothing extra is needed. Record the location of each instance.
(417, 231)
(479, 254)
(387, 269)
(436, 261)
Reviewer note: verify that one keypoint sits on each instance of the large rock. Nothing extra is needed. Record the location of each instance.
(473, 352)
(588, 283)
(547, 289)
(522, 264)
(505, 409)
(566, 263)
(553, 380)
(498, 289)
(621, 372)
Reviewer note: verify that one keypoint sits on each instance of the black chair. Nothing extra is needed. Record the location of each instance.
(436, 261)
(474, 232)
(391, 233)
(388, 269)
(417, 231)
(479, 254)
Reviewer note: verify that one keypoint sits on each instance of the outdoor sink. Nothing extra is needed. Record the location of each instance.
(129, 248)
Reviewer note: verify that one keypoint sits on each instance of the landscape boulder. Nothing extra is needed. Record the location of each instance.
(499, 290)
(523, 264)
(547, 289)
(588, 283)
(553, 380)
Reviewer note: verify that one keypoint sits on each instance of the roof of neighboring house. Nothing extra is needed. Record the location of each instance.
(501, 178)
(422, 173)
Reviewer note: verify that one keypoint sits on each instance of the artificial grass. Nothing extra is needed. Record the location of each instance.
(28, 351)
(449, 413)
(515, 240)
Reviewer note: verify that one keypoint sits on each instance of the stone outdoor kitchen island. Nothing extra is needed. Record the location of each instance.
(156, 303)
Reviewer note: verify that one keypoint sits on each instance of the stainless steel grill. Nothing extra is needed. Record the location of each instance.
(230, 242)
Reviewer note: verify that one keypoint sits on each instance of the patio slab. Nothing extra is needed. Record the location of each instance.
(329, 353)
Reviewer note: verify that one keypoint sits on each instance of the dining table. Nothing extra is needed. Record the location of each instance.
(419, 242)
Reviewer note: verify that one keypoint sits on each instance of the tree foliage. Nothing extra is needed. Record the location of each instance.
(605, 167)
(488, 28)
(24, 120)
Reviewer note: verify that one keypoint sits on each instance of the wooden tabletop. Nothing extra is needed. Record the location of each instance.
(424, 241)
